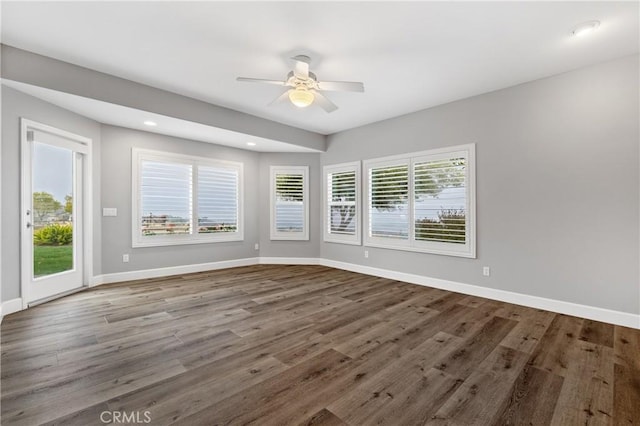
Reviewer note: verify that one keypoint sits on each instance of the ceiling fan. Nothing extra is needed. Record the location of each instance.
(303, 87)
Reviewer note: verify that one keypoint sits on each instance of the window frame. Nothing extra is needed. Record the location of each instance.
(326, 222)
(468, 249)
(138, 240)
(276, 235)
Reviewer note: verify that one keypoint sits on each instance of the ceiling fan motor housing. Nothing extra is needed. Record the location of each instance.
(309, 83)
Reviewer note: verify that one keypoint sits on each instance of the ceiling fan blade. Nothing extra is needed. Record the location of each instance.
(261, 80)
(281, 98)
(341, 86)
(324, 102)
(301, 68)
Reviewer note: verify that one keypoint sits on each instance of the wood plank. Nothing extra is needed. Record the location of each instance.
(480, 397)
(206, 389)
(553, 351)
(334, 384)
(627, 347)
(253, 404)
(462, 362)
(527, 334)
(264, 345)
(366, 306)
(323, 417)
(532, 399)
(404, 391)
(626, 391)
(415, 335)
(626, 396)
(389, 330)
(476, 318)
(597, 332)
(53, 405)
(586, 396)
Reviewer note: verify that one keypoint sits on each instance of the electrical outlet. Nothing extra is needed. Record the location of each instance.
(366, 253)
(125, 258)
(256, 246)
(486, 271)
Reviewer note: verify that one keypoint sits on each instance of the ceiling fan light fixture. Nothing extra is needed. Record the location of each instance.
(301, 97)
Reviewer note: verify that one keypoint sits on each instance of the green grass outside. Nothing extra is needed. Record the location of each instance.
(52, 259)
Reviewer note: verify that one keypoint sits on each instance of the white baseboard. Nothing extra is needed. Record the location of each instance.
(289, 261)
(199, 267)
(584, 311)
(10, 306)
(171, 270)
(591, 312)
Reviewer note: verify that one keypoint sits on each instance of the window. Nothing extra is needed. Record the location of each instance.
(289, 203)
(342, 203)
(178, 199)
(422, 201)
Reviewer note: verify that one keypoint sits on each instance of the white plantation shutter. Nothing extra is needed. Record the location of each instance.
(341, 204)
(217, 199)
(180, 199)
(389, 201)
(423, 201)
(289, 203)
(440, 208)
(165, 191)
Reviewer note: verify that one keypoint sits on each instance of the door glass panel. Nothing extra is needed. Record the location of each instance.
(52, 209)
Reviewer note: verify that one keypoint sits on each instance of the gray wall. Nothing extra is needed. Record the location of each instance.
(116, 192)
(309, 248)
(557, 185)
(557, 188)
(26, 67)
(14, 106)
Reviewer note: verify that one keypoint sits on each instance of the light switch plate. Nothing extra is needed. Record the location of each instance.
(109, 211)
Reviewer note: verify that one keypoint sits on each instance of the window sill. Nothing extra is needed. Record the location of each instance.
(336, 241)
(185, 241)
(444, 252)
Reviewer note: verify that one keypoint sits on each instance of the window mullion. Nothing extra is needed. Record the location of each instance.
(194, 200)
(412, 201)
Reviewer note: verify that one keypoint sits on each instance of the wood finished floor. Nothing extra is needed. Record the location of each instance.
(310, 345)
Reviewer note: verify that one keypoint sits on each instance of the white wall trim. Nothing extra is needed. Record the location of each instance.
(200, 267)
(171, 270)
(10, 306)
(328, 236)
(81, 145)
(584, 311)
(138, 155)
(274, 234)
(289, 261)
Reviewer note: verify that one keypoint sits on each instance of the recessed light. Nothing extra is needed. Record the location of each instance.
(585, 28)
(251, 143)
(150, 123)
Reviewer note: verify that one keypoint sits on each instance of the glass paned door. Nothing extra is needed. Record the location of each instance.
(53, 175)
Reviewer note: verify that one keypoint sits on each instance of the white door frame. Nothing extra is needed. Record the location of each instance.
(87, 200)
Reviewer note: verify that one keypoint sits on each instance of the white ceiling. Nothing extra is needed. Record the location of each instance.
(410, 55)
